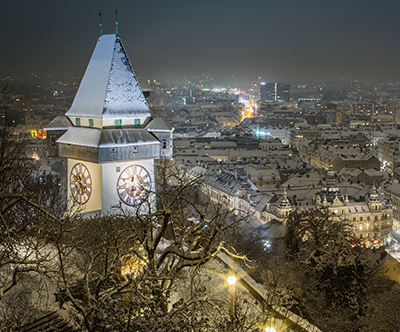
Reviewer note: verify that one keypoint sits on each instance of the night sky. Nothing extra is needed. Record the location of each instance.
(280, 40)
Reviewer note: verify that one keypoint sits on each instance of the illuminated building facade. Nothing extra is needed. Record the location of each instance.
(371, 218)
(275, 91)
(392, 192)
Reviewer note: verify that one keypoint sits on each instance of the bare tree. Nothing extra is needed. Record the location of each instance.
(17, 310)
(123, 271)
(327, 275)
(28, 201)
(6, 88)
(308, 232)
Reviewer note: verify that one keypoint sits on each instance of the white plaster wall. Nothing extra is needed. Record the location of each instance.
(109, 122)
(97, 122)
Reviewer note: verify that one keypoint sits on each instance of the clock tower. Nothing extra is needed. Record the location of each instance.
(111, 140)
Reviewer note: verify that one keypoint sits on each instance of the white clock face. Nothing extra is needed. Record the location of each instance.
(133, 185)
(80, 183)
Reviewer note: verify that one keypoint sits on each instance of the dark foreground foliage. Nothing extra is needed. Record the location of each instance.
(319, 273)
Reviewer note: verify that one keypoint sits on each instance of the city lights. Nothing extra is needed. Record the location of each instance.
(135, 185)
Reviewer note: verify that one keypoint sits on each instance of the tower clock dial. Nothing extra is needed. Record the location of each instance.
(133, 185)
(80, 183)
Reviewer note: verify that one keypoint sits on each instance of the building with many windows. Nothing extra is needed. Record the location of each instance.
(302, 133)
(275, 91)
(369, 213)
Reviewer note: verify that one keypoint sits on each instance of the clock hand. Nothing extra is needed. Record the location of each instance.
(126, 179)
(82, 187)
(78, 181)
(134, 184)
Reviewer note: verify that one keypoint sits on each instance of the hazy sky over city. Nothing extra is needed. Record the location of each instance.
(280, 40)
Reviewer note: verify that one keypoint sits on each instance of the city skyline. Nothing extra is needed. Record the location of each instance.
(285, 41)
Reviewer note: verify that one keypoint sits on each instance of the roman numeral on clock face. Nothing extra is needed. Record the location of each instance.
(80, 183)
(122, 194)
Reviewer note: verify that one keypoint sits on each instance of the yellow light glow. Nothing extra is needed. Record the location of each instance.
(231, 280)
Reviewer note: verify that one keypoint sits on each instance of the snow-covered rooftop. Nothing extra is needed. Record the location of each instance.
(97, 138)
(109, 88)
(160, 125)
(89, 137)
(59, 123)
(126, 137)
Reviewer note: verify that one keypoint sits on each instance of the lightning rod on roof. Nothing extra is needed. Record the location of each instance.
(101, 25)
(116, 22)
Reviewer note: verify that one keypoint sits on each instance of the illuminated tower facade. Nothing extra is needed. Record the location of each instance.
(111, 140)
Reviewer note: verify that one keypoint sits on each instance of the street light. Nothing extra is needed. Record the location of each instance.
(270, 329)
(231, 281)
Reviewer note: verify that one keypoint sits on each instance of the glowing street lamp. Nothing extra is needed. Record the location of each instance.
(270, 329)
(231, 281)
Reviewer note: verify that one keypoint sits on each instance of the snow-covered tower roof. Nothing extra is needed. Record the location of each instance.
(285, 203)
(331, 190)
(109, 88)
(330, 176)
(110, 120)
(373, 196)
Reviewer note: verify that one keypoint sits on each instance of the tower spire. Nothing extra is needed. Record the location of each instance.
(116, 22)
(101, 24)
